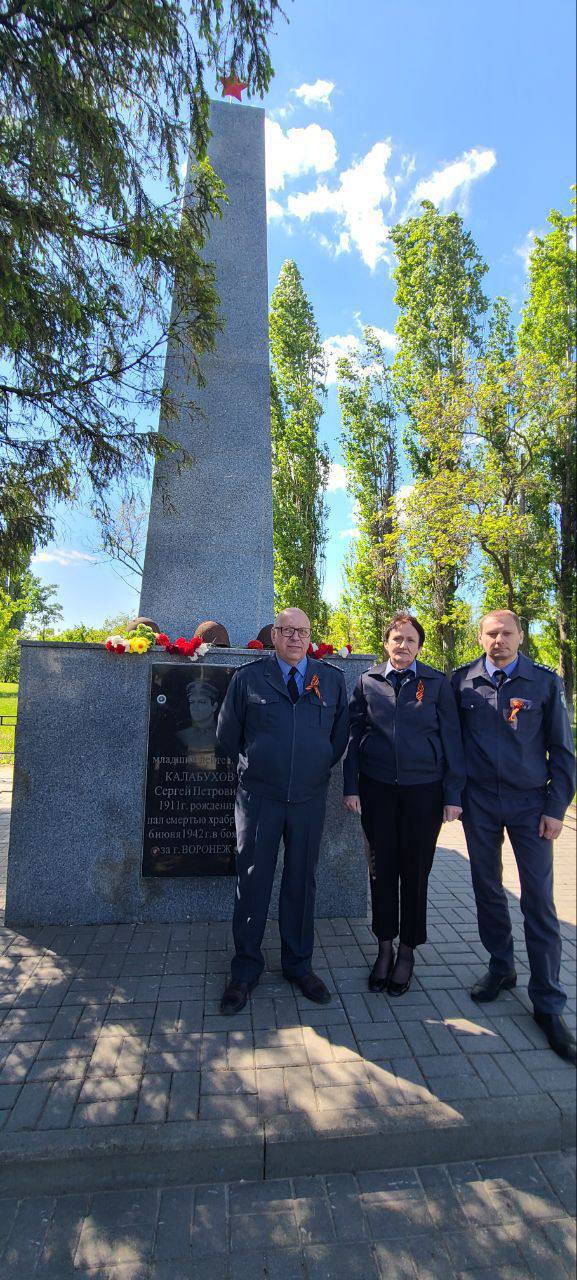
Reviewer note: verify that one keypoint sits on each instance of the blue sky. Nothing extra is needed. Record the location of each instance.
(374, 106)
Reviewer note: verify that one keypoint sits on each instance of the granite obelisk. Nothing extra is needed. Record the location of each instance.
(209, 550)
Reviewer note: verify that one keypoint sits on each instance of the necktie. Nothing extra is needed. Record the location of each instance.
(499, 677)
(292, 685)
(397, 679)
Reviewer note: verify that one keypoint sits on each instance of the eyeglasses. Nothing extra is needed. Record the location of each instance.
(287, 632)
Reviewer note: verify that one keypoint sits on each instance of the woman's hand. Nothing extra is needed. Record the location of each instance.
(352, 803)
(451, 812)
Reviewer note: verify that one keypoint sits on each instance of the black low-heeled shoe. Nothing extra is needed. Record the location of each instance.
(377, 983)
(399, 988)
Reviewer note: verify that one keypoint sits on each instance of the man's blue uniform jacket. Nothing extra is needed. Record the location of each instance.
(284, 750)
(519, 737)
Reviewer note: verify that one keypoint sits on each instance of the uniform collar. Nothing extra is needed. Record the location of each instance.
(492, 670)
(389, 667)
(288, 666)
(525, 668)
(272, 672)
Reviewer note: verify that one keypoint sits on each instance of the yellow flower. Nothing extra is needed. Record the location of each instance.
(139, 644)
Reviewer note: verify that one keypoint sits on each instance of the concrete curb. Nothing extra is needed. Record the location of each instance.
(287, 1145)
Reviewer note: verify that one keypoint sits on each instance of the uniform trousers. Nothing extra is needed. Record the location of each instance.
(261, 823)
(486, 815)
(402, 824)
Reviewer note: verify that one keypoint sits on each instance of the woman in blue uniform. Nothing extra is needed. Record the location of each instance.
(403, 773)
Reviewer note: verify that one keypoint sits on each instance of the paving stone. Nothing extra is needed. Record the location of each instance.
(153, 1098)
(28, 1106)
(184, 1091)
(341, 1262)
(276, 1229)
(27, 1235)
(174, 1223)
(254, 1197)
(209, 1232)
(60, 1104)
(61, 1241)
(396, 1214)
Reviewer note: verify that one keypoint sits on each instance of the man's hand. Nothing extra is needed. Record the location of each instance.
(451, 812)
(550, 828)
(352, 803)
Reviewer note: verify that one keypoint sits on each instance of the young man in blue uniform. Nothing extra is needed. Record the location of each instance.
(520, 777)
(285, 722)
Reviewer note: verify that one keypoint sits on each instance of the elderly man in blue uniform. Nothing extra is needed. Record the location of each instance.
(285, 721)
(520, 778)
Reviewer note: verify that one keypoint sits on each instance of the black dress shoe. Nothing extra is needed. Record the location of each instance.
(399, 988)
(558, 1034)
(376, 981)
(235, 996)
(312, 987)
(489, 986)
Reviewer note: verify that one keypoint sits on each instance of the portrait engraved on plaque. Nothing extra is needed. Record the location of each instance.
(190, 789)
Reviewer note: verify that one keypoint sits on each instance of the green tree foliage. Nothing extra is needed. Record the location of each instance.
(27, 606)
(511, 507)
(438, 276)
(548, 335)
(300, 465)
(368, 440)
(96, 99)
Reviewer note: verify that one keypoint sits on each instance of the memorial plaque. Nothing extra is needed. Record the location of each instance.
(190, 786)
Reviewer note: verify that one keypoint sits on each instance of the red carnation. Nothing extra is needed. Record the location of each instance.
(194, 644)
(109, 646)
(161, 639)
(323, 650)
(255, 644)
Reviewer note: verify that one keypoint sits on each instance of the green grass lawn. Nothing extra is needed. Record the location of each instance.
(8, 707)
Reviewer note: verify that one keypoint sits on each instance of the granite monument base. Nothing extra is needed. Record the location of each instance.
(76, 836)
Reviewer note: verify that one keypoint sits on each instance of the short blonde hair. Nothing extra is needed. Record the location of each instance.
(493, 613)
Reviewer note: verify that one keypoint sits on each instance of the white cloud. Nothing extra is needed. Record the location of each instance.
(297, 151)
(273, 209)
(387, 339)
(62, 557)
(337, 477)
(317, 94)
(401, 500)
(454, 179)
(349, 344)
(350, 533)
(346, 344)
(357, 202)
(525, 249)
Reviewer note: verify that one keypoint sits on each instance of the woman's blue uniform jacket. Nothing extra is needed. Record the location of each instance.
(412, 739)
(284, 750)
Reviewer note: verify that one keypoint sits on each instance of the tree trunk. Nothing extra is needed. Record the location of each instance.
(565, 579)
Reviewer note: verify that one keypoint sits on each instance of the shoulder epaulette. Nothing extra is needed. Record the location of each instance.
(326, 663)
(253, 662)
(464, 665)
(542, 666)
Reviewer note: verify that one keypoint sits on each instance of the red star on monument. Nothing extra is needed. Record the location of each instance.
(233, 87)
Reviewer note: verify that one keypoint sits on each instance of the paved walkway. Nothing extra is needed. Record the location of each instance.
(112, 1050)
(494, 1220)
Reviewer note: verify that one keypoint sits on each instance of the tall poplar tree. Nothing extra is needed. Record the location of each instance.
(441, 302)
(300, 466)
(511, 507)
(548, 334)
(368, 440)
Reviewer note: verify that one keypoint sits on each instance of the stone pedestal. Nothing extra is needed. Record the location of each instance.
(78, 804)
